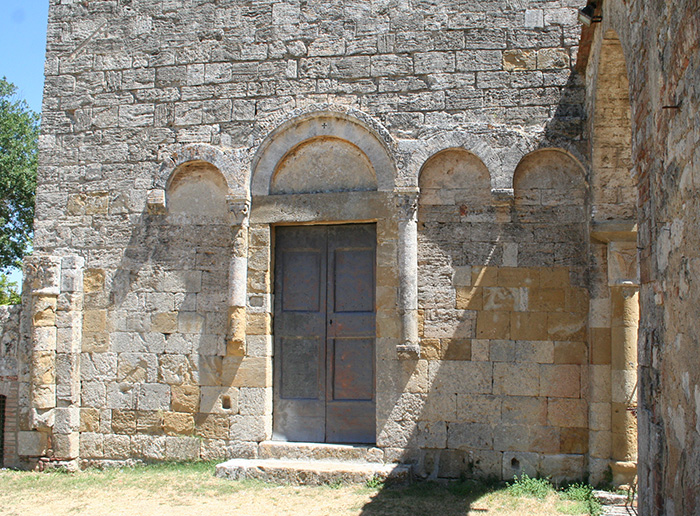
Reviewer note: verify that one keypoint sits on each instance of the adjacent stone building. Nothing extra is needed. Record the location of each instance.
(416, 225)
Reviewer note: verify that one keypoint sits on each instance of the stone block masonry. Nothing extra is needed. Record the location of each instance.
(177, 137)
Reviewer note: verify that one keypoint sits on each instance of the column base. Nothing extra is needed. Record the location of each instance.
(623, 473)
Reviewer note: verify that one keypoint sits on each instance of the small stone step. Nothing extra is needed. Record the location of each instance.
(311, 472)
(283, 450)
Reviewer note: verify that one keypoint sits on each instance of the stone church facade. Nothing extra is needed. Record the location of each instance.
(419, 226)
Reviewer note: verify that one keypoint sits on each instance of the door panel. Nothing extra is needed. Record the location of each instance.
(354, 280)
(303, 282)
(300, 380)
(352, 378)
(325, 333)
(300, 334)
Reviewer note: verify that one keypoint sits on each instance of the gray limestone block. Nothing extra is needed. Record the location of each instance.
(153, 396)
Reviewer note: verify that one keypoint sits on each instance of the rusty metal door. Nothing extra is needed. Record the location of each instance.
(324, 334)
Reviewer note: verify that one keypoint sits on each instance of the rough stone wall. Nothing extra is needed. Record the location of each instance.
(10, 317)
(659, 42)
(664, 78)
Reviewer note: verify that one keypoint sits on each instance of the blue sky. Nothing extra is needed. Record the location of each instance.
(22, 48)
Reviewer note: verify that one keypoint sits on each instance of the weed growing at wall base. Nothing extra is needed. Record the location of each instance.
(541, 488)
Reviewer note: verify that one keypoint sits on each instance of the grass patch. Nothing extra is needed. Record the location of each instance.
(533, 487)
(191, 489)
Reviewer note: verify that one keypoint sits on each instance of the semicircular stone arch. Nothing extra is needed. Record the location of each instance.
(196, 193)
(550, 206)
(454, 176)
(548, 177)
(233, 175)
(314, 133)
(477, 145)
(323, 164)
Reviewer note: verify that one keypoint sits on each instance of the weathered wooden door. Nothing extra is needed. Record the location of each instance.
(324, 334)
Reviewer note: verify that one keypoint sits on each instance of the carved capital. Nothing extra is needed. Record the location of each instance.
(407, 203)
(43, 273)
(239, 208)
(623, 268)
(155, 202)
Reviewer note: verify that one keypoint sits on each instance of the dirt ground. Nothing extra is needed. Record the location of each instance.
(168, 492)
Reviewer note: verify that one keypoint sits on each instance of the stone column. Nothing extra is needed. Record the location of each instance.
(624, 301)
(407, 204)
(239, 207)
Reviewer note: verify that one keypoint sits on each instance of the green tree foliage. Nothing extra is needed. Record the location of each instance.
(8, 291)
(19, 131)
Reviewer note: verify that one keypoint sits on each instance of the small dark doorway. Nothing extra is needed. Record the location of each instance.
(2, 430)
(324, 334)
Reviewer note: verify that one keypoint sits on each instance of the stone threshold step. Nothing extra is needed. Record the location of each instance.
(286, 450)
(312, 472)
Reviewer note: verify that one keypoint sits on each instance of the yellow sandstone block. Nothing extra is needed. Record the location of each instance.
(546, 299)
(554, 277)
(500, 298)
(164, 322)
(95, 321)
(485, 276)
(259, 324)
(185, 398)
(560, 381)
(248, 372)
(43, 367)
(600, 346)
(89, 420)
(430, 349)
(236, 331)
(569, 413)
(493, 325)
(518, 277)
(178, 423)
(574, 440)
(456, 349)
(528, 326)
(212, 426)
(469, 298)
(93, 280)
(567, 326)
(577, 300)
(44, 311)
(570, 352)
(95, 342)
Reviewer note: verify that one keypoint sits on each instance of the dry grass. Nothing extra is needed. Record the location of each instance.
(192, 489)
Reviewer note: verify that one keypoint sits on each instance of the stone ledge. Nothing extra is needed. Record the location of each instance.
(311, 472)
(349, 453)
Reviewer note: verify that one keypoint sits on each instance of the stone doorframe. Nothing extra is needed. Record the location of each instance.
(392, 208)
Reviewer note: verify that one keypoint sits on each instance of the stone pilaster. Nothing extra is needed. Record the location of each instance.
(56, 290)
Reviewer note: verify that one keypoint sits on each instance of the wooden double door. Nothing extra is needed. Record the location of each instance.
(324, 331)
